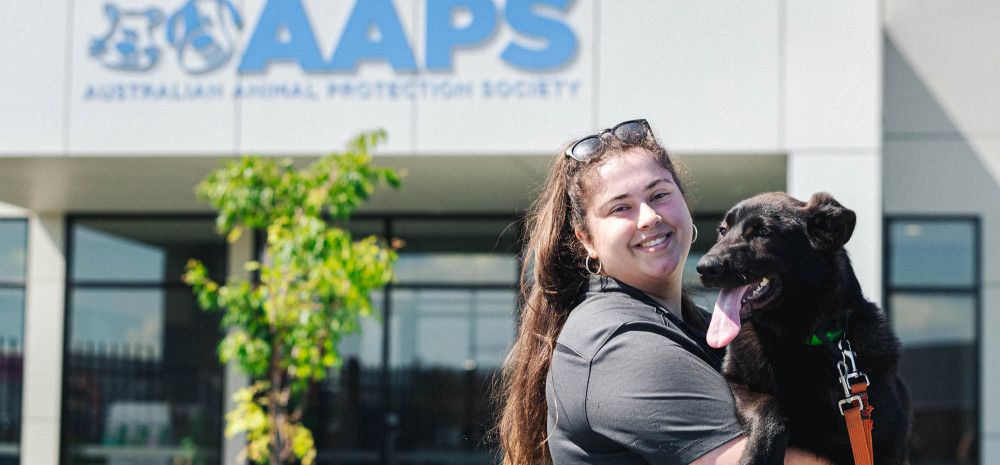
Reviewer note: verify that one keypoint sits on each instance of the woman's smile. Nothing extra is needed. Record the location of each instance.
(655, 243)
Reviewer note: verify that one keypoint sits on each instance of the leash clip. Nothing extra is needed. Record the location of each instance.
(848, 369)
(844, 404)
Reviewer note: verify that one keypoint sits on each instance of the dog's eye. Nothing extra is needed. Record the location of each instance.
(763, 231)
(722, 230)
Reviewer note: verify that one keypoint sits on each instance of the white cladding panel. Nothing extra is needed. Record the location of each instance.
(951, 46)
(833, 74)
(31, 81)
(705, 72)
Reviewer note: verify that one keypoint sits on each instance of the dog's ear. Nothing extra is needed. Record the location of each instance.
(828, 224)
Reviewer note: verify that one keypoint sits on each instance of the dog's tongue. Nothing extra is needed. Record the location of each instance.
(725, 323)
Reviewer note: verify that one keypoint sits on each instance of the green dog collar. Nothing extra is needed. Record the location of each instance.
(830, 336)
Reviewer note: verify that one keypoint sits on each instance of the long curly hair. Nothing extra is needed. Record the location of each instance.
(551, 281)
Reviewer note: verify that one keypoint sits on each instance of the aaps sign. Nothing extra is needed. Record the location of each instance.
(202, 36)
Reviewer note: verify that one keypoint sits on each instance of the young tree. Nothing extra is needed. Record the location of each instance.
(314, 284)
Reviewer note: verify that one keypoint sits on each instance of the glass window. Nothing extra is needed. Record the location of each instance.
(13, 256)
(448, 346)
(932, 253)
(450, 251)
(131, 251)
(444, 267)
(934, 319)
(13, 249)
(933, 299)
(345, 410)
(12, 316)
(448, 324)
(457, 235)
(143, 383)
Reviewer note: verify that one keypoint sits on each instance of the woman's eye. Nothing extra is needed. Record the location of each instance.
(660, 195)
(619, 209)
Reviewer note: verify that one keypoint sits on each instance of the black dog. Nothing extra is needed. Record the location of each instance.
(789, 299)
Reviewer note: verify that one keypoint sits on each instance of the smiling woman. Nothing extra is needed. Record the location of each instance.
(610, 364)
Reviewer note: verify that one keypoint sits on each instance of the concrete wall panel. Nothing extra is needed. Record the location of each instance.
(708, 73)
(32, 81)
(833, 74)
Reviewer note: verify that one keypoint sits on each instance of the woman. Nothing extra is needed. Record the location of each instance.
(610, 364)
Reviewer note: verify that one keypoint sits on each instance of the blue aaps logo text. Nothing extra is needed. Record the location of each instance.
(202, 35)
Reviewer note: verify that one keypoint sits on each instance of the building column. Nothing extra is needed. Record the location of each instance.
(43, 339)
(240, 252)
(832, 119)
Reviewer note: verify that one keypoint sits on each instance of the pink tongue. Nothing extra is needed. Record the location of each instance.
(725, 323)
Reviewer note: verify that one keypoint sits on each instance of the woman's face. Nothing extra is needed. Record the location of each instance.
(639, 224)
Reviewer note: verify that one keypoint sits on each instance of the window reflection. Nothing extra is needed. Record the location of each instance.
(12, 316)
(13, 253)
(13, 249)
(933, 300)
(137, 315)
(141, 251)
(934, 319)
(452, 267)
(143, 383)
(932, 253)
(344, 410)
(109, 257)
(450, 345)
(450, 322)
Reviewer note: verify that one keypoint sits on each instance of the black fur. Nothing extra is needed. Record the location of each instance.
(786, 391)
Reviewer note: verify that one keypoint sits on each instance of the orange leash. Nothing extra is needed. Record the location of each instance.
(858, 416)
(855, 407)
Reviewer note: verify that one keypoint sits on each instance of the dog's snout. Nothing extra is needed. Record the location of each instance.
(709, 266)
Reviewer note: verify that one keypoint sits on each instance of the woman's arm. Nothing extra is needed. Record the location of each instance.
(730, 452)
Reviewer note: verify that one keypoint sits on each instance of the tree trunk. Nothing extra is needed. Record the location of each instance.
(275, 408)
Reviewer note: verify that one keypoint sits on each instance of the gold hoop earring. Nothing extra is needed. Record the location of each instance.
(695, 228)
(586, 264)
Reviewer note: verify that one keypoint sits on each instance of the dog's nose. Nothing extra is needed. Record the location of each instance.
(709, 266)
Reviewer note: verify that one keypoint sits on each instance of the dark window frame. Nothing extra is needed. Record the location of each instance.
(975, 291)
(20, 284)
(69, 286)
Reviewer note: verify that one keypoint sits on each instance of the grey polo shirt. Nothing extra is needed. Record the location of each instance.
(630, 383)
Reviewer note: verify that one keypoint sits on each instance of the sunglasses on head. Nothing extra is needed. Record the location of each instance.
(630, 132)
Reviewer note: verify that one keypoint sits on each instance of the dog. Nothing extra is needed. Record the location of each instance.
(789, 300)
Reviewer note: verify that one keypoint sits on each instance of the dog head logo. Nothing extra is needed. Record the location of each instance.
(128, 44)
(204, 34)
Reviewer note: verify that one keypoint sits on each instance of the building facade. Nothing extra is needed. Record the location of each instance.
(113, 112)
